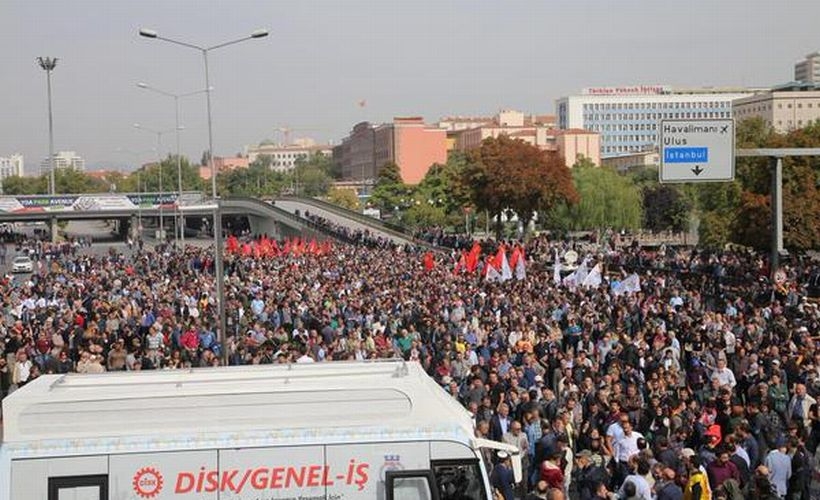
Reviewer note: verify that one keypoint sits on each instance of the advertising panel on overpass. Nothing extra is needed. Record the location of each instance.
(94, 202)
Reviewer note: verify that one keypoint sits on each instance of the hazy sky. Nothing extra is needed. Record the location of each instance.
(415, 57)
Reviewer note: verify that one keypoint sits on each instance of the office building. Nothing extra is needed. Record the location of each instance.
(406, 141)
(627, 118)
(63, 159)
(808, 70)
(284, 156)
(10, 166)
(784, 108)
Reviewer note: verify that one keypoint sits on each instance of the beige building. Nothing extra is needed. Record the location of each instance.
(784, 109)
(536, 130)
(624, 163)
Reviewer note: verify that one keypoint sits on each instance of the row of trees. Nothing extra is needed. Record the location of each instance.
(311, 177)
(507, 176)
(511, 178)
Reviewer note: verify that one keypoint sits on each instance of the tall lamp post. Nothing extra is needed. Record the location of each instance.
(180, 235)
(159, 134)
(48, 64)
(218, 264)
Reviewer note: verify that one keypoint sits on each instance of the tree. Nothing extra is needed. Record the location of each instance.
(345, 198)
(24, 185)
(423, 214)
(312, 175)
(665, 209)
(257, 181)
(442, 186)
(389, 190)
(507, 173)
(148, 176)
(607, 200)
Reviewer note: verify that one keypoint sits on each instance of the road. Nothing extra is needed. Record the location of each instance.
(292, 206)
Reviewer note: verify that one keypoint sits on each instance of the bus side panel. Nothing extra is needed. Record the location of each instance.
(451, 450)
(359, 469)
(181, 475)
(29, 478)
(273, 473)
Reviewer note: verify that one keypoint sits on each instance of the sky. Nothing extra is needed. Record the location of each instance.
(430, 58)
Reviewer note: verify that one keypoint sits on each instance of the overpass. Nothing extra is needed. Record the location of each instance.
(348, 218)
(263, 217)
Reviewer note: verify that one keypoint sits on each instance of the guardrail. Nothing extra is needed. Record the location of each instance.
(299, 221)
(391, 229)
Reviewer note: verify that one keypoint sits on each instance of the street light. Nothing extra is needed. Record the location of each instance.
(159, 134)
(220, 278)
(260, 33)
(48, 64)
(180, 235)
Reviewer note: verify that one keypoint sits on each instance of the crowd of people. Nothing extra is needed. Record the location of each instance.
(702, 383)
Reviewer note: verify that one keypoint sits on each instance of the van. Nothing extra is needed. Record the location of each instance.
(331, 431)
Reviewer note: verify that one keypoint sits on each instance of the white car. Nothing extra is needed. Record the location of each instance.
(22, 264)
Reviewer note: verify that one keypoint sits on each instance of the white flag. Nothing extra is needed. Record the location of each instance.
(631, 284)
(593, 279)
(582, 271)
(556, 272)
(520, 269)
(578, 276)
(492, 274)
(506, 272)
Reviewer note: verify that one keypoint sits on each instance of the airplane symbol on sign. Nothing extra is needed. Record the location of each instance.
(724, 129)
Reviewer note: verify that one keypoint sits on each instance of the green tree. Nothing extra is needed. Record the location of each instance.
(422, 213)
(607, 200)
(149, 176)
(257, 181)
(390, 191)
(509, 174)
(665, 208)
(345, 198)
(441, 187)
(71, 181)
(24, 185)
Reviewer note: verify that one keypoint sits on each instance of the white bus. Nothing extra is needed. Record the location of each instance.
(331, 431)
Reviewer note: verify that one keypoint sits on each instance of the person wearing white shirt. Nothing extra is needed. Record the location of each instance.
(724, 375)
(627, 446)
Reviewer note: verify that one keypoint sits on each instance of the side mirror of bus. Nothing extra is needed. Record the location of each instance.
(518, 472)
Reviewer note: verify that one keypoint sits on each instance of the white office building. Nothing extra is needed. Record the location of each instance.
(808, 70)
(627, 117)
(63, 159)
(284, 156)
(10, 166)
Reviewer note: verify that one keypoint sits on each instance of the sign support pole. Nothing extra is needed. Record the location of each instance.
(777, 212)
(776, 156)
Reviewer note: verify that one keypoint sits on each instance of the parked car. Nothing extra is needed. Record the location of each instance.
(22, 264)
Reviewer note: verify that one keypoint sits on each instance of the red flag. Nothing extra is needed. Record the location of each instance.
(313, 248)
(429, 261)
(274, 250)
(473, 256)
(461, 264)
(246, 249)
(516, 254)
(232, 245)
(288, 247)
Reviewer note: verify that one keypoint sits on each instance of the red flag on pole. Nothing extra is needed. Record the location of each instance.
(429, 261)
